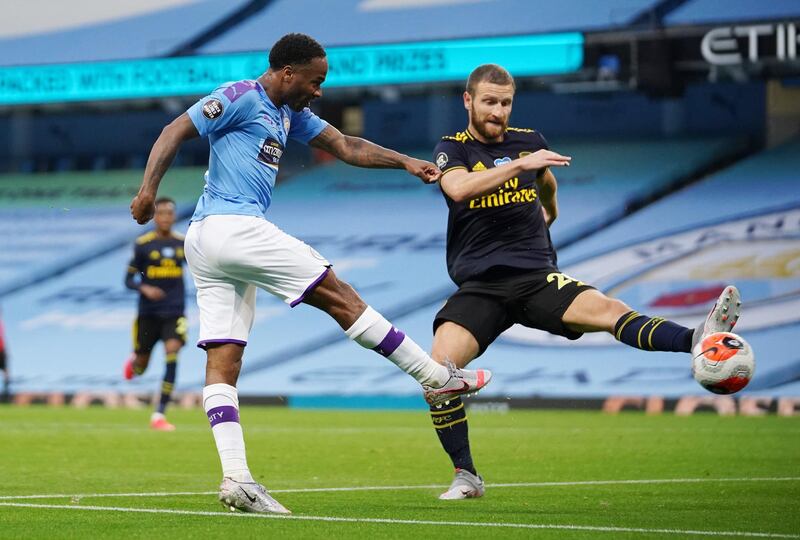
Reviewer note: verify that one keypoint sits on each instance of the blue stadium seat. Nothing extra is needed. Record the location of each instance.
(713, 11)
(361, 22)
(150, 35)
(384, 232)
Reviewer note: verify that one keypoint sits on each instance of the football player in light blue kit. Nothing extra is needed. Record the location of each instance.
(231, 248)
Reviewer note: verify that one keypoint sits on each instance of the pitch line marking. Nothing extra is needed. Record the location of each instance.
(684, 532)
(395, 488)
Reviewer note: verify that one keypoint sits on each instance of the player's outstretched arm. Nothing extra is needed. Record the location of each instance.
(461, 185)
(363, 153)
(163, 152)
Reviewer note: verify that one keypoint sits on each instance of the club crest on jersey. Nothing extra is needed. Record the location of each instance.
(502, 161)
(441, 160)
(286, 123)
(212, 109)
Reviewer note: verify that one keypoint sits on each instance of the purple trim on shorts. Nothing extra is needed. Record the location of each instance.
(390, 343)
(311, 287)
(226, 413)
(204, 344)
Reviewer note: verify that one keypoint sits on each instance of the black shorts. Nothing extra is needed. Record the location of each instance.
(148, 329)
(3, 359)
(490, 306)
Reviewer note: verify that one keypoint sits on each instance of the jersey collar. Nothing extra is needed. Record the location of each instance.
(474, 138)
(263, 93)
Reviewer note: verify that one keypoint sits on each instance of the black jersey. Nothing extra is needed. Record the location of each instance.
(158, 261)
(505, 228)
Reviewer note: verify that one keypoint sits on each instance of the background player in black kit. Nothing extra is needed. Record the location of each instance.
(501, 197)
(158, 262)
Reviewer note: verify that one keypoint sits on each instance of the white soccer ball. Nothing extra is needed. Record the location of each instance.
(723, 363)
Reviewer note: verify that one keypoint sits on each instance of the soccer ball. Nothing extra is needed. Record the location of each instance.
(723, 363)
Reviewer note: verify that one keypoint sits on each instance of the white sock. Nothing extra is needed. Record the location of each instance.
(372, 331)
(221, 403)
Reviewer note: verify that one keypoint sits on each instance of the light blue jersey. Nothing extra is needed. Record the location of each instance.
(247, 134)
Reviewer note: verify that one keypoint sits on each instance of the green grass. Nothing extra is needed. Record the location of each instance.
(69, 451)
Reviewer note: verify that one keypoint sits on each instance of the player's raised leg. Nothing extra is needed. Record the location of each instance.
(452, 343)
(371, 330)
(592, 311)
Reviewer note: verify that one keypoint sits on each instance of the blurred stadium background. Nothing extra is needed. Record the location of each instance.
(682, 117)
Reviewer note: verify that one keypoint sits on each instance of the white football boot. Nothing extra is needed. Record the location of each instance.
(461, 381)
(465, 486)
(723, 315)
(248, 497)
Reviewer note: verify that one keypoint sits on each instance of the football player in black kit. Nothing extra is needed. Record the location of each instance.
(501, 196)
(158, 260)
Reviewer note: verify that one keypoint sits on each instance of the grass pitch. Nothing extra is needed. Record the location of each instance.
(565, 475)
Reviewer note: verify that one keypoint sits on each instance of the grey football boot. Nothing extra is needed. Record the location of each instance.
(248, 497)
(465, 486)
(461, 382)
(723, 315)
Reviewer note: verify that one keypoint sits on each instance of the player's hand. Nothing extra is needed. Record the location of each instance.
(151, 292)
(424, 170)
(143, 208)
(544, 158)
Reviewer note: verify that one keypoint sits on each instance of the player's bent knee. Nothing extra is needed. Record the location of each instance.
(617, 308)
(338, 299)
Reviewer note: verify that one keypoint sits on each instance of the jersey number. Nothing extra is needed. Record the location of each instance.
(563, 280)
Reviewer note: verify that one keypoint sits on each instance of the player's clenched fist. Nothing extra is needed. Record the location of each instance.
(544, 158)
(142, 208)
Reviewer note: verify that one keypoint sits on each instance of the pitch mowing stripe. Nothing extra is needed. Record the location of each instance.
(395, 488)
(684, 532)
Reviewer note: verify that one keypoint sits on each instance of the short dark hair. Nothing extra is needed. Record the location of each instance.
(491, 73)
(294, 49)
(162, 200)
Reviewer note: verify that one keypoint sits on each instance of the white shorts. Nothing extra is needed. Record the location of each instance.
(229, 256)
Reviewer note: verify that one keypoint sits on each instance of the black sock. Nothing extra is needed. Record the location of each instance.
(169, 381)
(653, 333)
(450, 421)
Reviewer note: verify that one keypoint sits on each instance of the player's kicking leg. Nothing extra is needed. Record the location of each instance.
(592, 311)
(369, 329)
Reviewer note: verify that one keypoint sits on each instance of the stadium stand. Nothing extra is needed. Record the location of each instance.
(733, 229)
(695, 12)
(393, 253)
(61, 281)
(53, 222)
(385, 21)
(155, 33)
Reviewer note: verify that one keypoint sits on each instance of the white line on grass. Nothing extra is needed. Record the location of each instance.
(683, 532)
(396, 488)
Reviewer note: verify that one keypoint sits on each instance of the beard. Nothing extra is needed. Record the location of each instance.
(487, 130)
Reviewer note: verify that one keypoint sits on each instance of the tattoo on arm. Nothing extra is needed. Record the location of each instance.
(357, 151)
